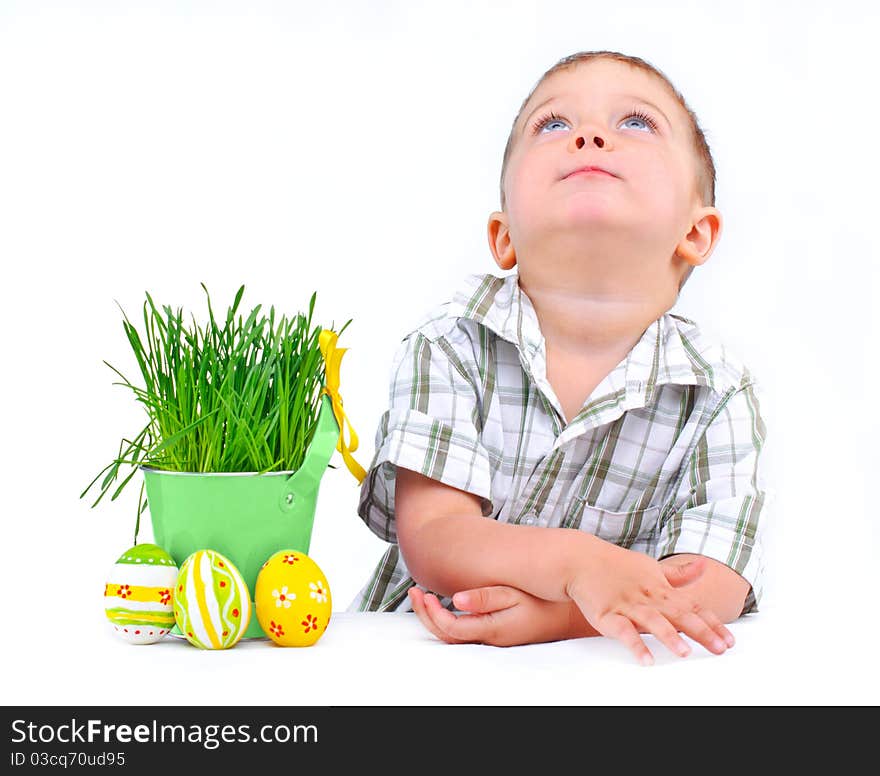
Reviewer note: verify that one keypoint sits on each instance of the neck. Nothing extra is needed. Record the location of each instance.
(583, 323)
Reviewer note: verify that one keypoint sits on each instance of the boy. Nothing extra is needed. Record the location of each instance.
(615, 449)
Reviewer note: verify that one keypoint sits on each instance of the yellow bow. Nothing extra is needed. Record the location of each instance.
(332, 359)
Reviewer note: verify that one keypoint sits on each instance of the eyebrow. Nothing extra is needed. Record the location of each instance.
(628, 96)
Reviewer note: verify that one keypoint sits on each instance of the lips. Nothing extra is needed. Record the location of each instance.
(590, 169)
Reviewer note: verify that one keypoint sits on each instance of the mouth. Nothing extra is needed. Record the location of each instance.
(590, 170)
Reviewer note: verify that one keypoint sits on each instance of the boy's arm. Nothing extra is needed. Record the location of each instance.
(719, 587)
(530, 558)
(449, 546)
(720, 506)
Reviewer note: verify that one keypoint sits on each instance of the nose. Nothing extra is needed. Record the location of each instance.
(579, 142)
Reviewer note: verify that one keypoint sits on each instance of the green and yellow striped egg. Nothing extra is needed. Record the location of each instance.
(212, 604)
(138, 595)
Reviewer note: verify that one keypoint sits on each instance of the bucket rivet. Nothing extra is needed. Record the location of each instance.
(290, 498)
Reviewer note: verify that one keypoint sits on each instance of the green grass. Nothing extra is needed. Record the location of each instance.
(243, 397)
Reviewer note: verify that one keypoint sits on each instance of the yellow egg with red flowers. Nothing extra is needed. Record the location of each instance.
(292, 599)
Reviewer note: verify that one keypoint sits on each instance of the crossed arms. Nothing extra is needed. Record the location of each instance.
(526, 584)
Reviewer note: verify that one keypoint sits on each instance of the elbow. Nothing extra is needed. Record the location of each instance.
(433, 522)
(426, 555)
(730, 599)
(732, 608)
(719, 588)
(416, 555)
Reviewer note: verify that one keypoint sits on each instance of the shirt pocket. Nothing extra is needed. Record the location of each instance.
(634, 526)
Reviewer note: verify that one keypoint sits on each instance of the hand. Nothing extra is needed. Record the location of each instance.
(621, 591)
(501, 616)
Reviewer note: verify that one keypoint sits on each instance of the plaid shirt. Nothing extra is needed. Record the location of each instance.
(663, 458)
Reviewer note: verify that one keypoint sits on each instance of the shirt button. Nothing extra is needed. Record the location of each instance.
(530, 519)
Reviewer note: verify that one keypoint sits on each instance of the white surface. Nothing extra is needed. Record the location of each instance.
(386, 659)
(354, 149)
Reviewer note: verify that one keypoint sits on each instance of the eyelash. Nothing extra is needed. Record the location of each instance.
(634, 113)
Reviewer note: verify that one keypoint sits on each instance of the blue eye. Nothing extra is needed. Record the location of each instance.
(551, 118)
(637, 115)
(546, 119)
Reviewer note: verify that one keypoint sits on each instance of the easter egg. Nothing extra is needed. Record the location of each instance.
(212, 604)
(292, 599)
(138, 593)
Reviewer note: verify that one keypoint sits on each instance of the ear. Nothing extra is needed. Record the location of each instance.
(499, 241)
(697, 245)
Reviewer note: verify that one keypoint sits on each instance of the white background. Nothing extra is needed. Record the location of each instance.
(354, 149)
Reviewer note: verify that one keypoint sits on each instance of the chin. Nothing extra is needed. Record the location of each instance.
(587, 207)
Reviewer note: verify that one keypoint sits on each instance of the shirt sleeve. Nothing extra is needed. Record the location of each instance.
(719, 509)
(432, 426)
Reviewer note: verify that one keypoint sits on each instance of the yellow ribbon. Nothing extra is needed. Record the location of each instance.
(332, 359)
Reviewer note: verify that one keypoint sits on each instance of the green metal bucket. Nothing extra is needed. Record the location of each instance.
(243, 515)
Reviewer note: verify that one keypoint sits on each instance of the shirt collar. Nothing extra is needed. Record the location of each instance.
(665, 353)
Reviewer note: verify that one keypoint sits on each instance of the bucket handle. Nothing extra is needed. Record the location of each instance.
(308, 476)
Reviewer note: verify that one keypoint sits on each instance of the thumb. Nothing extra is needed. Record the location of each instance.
(481, 600)
(684, 573)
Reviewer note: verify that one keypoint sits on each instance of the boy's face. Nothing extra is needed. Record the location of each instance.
(630, 221)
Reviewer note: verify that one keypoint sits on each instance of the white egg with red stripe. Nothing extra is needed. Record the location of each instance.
(138, 594)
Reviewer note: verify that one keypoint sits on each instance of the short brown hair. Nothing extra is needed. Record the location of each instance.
(705, 163)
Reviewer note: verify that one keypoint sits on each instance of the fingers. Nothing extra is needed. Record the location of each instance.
(486, 599)
(448, 627)
(651, 621)
(619, 627)
(664, 623)
(699, 623)
(719, 627)
(684, 573)
(704, 627)
(465, 628)
(417, 599)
